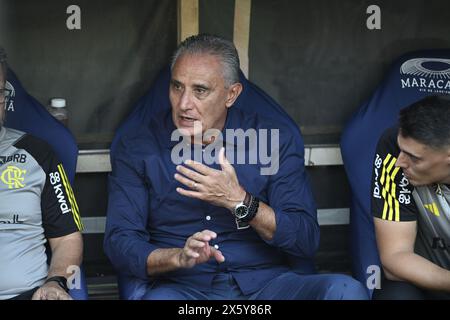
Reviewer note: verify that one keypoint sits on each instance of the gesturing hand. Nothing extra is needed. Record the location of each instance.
(197, 250)
(218, 187)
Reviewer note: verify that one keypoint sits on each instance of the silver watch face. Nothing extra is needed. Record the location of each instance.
(240, 211)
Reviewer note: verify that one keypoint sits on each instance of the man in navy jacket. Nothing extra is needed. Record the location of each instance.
(213, 216)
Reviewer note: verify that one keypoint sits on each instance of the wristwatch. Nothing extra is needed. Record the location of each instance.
(246, 210)
(61, 281)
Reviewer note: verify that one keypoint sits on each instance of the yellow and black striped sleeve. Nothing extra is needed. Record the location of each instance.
(60, 212)
(391, 191)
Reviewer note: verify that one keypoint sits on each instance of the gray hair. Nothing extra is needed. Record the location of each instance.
(213, 45)
(3, 63)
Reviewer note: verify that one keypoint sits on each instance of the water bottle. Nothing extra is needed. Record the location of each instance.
(58, 110)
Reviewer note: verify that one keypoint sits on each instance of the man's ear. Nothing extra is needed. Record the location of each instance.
(233, 93)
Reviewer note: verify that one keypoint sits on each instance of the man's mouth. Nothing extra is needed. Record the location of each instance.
(188, 119)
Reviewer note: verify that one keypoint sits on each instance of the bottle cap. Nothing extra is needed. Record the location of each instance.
(58, 103)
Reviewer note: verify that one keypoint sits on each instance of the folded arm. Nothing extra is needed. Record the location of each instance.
(400, 262)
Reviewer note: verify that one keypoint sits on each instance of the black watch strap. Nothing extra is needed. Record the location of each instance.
(247, 199)
(252, 209)
(62, 282)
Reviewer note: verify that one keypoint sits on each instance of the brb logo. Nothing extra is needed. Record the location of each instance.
(9, 106)
(431, 75)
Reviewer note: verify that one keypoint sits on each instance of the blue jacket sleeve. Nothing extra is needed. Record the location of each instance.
(126, 237)
(290, 196)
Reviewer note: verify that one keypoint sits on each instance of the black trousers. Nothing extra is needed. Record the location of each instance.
(399, 290)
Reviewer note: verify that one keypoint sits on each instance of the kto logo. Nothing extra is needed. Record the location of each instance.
(13, 177)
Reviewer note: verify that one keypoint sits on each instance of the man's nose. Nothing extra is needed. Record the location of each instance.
(401, 160)
(185, 101)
